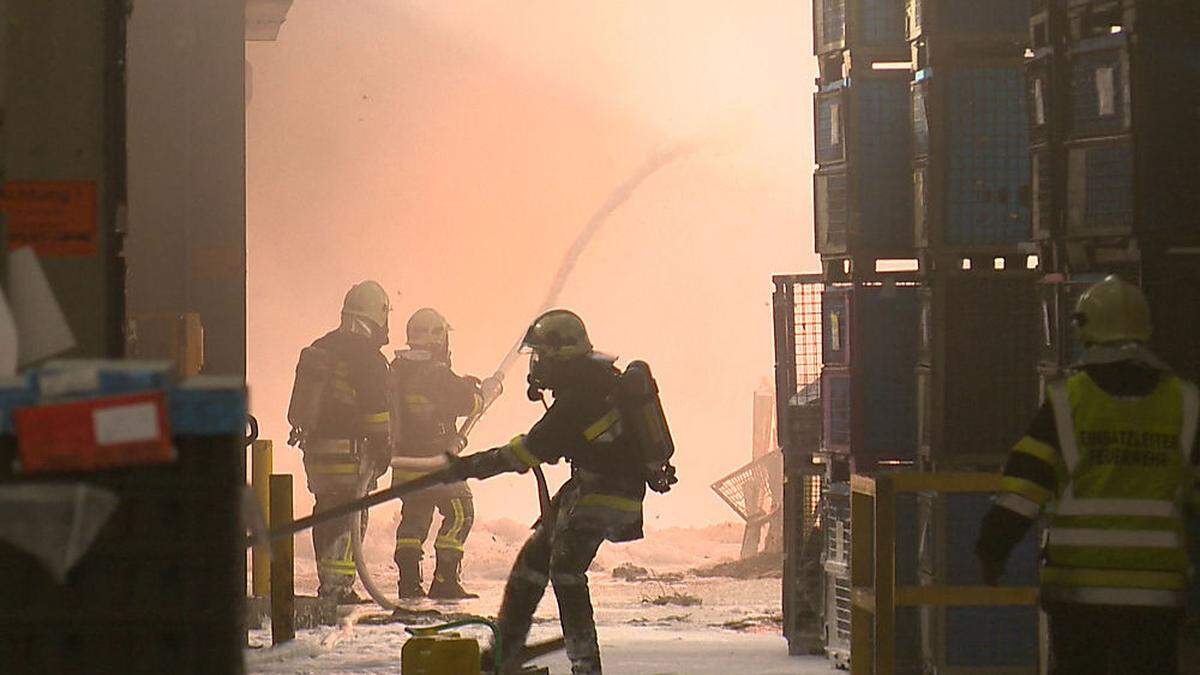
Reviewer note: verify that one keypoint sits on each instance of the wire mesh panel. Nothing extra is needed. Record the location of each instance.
(807, 331)
(755, 491)
(798, 349)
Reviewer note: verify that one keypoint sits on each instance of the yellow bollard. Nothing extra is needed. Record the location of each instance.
(260, 481)
(283, 599)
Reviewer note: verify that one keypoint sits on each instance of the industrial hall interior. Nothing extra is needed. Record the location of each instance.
(640, 337)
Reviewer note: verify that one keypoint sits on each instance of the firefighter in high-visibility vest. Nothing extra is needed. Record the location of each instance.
(1110, 460)
(602, 500)
(428, 398)
(340, 419)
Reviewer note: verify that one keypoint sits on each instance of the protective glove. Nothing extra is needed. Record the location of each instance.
(457, 467)
(491, 388)
(480, 465)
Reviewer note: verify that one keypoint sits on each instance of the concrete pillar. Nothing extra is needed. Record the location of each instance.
(186, 247)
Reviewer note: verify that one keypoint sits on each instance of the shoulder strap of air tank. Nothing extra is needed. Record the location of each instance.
(1191, 413)
(1064, 423)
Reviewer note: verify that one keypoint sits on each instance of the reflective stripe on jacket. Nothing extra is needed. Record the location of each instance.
(1116, 531)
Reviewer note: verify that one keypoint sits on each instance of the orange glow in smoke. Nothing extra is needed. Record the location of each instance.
(452, 151)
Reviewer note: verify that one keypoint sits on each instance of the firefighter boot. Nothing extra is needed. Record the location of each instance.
(446, 584)
(579, 625)
(409, 564)
(521, 598)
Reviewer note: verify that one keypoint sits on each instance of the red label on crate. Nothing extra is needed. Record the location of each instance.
(94, 434)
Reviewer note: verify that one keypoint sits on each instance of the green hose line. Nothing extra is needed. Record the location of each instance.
(478, 621)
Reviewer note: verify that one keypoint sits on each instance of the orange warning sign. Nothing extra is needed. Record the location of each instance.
(56, 218)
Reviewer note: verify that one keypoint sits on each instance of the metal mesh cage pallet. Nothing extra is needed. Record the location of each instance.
(835, 519)
(971, 177)
(868, 26)
(804, 526)
(862, 195)
(976, 394)
(796, 304)
(797, 315)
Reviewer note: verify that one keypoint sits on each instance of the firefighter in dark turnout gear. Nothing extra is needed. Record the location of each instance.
(428, 398)
(340, 418)
(1113, 451)
(602, 500)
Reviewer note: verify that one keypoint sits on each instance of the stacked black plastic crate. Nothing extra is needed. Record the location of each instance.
(1118, 140)
(976, 377)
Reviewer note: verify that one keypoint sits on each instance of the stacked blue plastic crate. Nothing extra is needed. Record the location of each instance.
(863, 212)
(862, 198)
(162, 587)
(972, 196)
(868, 384)
(976, 378)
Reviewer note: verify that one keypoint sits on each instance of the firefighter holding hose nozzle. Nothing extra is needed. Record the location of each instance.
(428, 398)
(610, 427)
(340, 419)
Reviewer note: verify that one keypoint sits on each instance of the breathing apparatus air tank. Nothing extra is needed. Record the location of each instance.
(643, 412)
(313, 373)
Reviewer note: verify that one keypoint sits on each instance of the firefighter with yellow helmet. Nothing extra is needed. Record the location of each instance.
(609, 426)
(340, 419)
(1110, 458)
(428, 398)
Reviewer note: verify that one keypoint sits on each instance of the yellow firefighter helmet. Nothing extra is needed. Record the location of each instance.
(1113, 311)
(427, 328)
(557, 334)
(367, 300)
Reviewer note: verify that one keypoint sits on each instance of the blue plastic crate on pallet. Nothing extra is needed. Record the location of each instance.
(873, 26)
(887, 360)
(836, 404)
(973, 637)
(950, 527)
(870, 335)
(975, 177)
(863, 146)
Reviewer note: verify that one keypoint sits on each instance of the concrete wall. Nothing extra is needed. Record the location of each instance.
(186, 247)
(62, 121)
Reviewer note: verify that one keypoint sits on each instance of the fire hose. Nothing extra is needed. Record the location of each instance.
(436, 466)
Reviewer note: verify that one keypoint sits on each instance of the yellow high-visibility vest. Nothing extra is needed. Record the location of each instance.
(1116, 533)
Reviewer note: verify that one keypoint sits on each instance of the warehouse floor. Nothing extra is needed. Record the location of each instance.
(734, 628)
